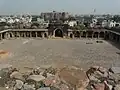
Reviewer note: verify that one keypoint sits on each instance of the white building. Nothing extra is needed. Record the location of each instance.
(72, 23)
(111, 24)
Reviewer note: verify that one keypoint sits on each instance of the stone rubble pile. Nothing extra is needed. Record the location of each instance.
(103, 79)
(66, 78)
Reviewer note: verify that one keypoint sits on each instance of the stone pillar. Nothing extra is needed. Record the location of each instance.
(80, 35)
(86, 34)
(18, 34)
(1, 36)
(111, 36)
(30, 34)
(98, 35)
(92, 35)
(43, 35)
(13, 34)
(24, 34)
(36, 34)
(73, 36)
(116, 38)
(5, 36)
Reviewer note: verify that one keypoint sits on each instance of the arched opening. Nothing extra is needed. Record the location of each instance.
(27, 34)
(84, 35)
(58, 33)
(77, 34)
(101, 34)
(10, 35)
(33, 34)
(117, 38)
(3, 36)
(39, 34)
(45, 35)
(89, 34)
(21, 34)
(107, 35)
(95, 35)
(15, 34)
(71, 35)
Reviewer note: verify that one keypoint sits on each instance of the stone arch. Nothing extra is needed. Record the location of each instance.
(21, 34)
(107, 35)
(58, 33)
(101, 34)
(6, 35)
(10, 35)
(15, 34)
(39, 34)
(95, 34)
(84, 34)
(33, 34)
(77, 34)
(89, 34)
(27, 34)
(71, 35)
(45, 35)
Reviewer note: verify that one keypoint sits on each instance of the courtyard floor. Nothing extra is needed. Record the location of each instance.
(38, 52)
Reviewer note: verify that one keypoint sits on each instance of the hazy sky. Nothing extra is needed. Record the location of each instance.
(72, 6)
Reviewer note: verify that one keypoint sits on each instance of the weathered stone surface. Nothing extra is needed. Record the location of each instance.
(17, 75)
(4, 73)
(51, 70)
(10, 84)
(37, 71)
(74, 78)
(64, 87)
(54, 88)
(115, 70)
(93, 78)
(99, 86)
(107, 86)
(36, 78)
(117, 87)
(28, 87)
(52, 81)
(44, 88)
(49, 81)
(115, 78)
(102, 70)
(19, 84)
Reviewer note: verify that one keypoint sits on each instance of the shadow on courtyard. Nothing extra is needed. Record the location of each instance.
(115, 44)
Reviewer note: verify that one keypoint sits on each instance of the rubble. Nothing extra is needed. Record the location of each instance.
(115, 70)
(36, 78)
(19, 84)
(28, 87)
(17, 75)
(44, 88)
(66, 78)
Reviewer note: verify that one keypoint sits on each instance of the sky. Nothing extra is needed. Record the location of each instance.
(71, 6)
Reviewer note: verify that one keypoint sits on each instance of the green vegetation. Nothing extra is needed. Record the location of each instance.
(79, 27)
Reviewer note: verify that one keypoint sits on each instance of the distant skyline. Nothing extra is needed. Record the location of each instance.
(71, 6)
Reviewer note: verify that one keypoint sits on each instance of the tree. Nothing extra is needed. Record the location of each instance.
(79, 27)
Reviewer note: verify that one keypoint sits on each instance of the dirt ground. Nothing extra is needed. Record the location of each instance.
(57, 52)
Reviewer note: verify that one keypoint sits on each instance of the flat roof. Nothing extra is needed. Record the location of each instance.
(29, 30)
(115, 32)
(5, 30)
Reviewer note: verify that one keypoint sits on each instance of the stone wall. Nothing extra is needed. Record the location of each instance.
(108, 35)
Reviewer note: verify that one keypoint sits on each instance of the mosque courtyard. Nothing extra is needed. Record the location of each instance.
(79, 52)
